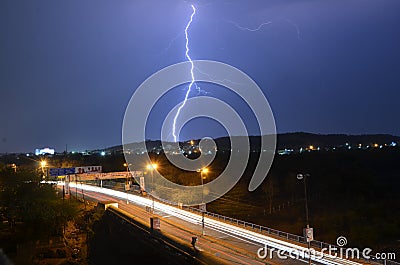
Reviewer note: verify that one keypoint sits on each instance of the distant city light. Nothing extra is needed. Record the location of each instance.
(103, 153)
(44, 151)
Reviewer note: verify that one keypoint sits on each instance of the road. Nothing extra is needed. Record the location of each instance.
(228, 243)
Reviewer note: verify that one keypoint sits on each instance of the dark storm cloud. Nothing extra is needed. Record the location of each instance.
(68, 68)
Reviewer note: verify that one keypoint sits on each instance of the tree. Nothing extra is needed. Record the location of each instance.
(33, 205)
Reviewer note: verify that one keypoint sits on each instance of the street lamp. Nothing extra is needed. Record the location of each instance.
(14, 166)
(308, 231)
(127, 184)
(202, 171)
(43, 164)
(152, 167)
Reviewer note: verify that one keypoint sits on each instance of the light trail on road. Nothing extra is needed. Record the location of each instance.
(294, 251)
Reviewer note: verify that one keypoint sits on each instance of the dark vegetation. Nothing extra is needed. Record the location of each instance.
(290, 140)
(29, 210)
(37, 224)
(352, 193)
(298, 140)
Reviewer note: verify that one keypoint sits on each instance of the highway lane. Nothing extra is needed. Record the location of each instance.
(223, 253)
(248, 242)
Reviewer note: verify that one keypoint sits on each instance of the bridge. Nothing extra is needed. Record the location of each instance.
(225, 239)
(105, 176)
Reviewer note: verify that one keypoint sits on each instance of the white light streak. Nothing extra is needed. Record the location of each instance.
(228, 229)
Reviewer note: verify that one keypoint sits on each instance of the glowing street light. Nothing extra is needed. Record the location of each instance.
(43, 164)
(152, 167)
(127, 166)
(14, 166)
(202, 171)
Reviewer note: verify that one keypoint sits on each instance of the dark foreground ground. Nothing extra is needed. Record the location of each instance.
(116, 242)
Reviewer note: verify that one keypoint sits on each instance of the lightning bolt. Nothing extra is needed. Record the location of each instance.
(191, 72)
(265, 24)
(296, 27)
(170, 44)
(249, 29)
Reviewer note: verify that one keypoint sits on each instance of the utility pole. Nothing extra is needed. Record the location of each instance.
(308, 233)
(202, 171)
(152, 167)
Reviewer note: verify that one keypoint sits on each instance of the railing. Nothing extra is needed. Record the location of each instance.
(290, 237)
(270, 231)
(254, 227)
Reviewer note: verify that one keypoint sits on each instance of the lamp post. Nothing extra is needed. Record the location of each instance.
(127, 185)
(14, 166)
(152, 167)
(43, 165)
(202, 171)
(308, 231)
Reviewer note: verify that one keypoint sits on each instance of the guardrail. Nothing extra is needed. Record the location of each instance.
(288, 236)
(270, 231)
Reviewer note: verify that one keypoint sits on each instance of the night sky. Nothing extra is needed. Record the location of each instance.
(69, 68)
